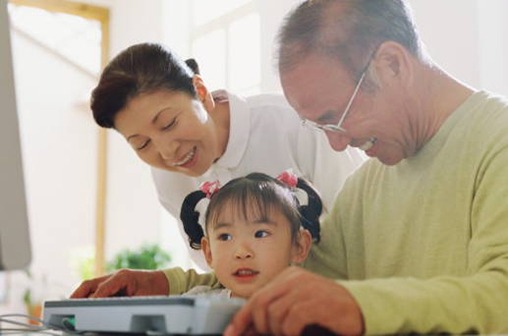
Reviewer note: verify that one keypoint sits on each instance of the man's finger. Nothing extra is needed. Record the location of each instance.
(87, 288)
(81, 292)
(111, 287)
(278, 311)
(241, 321)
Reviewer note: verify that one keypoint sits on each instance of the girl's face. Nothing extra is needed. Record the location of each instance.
(246, 253)
(172, 131)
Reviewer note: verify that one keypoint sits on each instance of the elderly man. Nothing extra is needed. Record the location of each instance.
(418, 238)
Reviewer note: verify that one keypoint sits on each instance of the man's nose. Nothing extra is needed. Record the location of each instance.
(338, 141)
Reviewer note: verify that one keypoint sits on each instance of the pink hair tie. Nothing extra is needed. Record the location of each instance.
(209, 187)
(289, 178)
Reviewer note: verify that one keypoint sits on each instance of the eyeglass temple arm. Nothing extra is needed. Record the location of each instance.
(339, 124)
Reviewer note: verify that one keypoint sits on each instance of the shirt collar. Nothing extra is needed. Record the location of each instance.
(239, 129)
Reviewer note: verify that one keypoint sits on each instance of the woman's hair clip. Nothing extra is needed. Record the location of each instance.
(209, 188)
(289, 178)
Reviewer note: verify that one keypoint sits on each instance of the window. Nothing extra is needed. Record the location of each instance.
(75, 38)
(226, 42)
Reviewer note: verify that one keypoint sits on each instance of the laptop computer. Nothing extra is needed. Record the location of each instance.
(151, 315)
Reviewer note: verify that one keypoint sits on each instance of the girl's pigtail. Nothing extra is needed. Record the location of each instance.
(311, 212)
(190, 218)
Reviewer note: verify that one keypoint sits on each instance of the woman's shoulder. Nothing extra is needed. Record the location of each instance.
(272, 108)
(264, 104)
(268, 100)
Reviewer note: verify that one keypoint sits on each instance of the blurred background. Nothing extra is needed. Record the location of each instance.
(91, 201)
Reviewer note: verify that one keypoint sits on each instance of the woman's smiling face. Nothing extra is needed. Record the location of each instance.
(170, 130)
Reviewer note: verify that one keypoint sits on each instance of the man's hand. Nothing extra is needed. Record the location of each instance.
(124, 282)
(294, 300)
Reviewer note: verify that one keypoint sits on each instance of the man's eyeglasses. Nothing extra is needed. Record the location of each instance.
(338, 127)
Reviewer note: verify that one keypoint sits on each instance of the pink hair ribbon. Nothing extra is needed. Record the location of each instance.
(289, 178)
(209, 187)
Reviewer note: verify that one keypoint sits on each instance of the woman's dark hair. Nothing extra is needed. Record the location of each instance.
(141, 68)
(256, 192)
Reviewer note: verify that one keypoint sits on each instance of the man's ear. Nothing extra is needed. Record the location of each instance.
(302, 246)
(202, 92)
(392, 61)
(205, 246)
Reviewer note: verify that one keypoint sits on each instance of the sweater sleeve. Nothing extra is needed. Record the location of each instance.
(181, 281)
(442, 304)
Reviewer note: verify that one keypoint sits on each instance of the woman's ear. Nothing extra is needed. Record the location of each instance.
(205, 246)
(202, 92)
(301, 247)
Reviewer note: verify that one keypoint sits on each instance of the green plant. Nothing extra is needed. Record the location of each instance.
(86, 267)
(148, 256)
(33, 296)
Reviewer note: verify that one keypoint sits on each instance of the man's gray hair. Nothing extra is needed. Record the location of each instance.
(349, 30)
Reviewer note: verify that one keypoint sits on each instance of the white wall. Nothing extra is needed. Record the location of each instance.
(468, 38)
(493, 45)
(452, 45)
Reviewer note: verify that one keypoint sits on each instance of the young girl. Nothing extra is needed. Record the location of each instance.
(255, 227)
